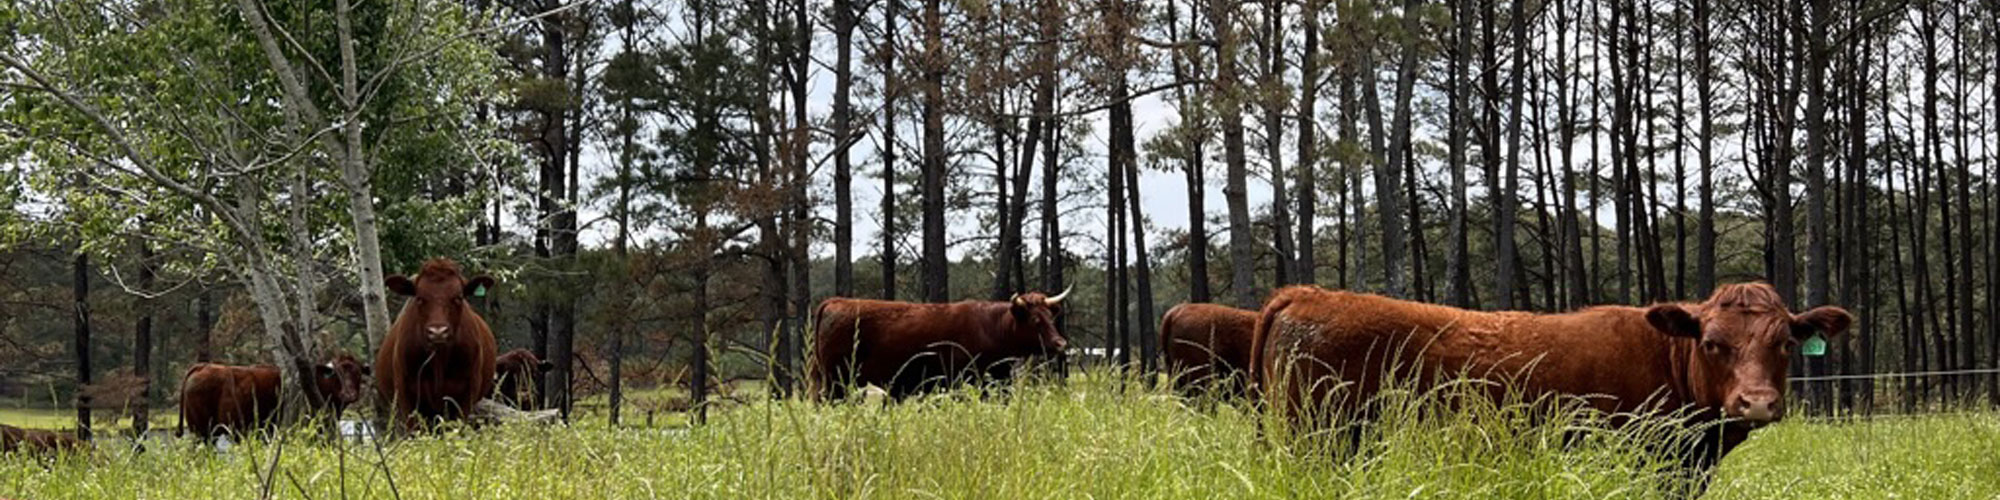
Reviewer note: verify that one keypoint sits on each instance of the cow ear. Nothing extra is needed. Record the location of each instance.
(1828, 320)
(1673, 320)
(478, 286)
(401, 284)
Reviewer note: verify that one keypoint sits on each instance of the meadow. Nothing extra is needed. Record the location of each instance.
(1093, 437)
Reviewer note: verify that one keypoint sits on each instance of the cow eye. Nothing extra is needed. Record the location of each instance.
(1714, 348)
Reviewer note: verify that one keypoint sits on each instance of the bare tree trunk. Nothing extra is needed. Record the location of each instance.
(1818, 272)
(891, 87)
(80, 316)
(1149, 348)
(843, 132)
(1388, 174)
(1968, 342)
(1505, 286)
(1307, 264)
(1193, 161)
(936, 265)
(1222, 13)
(1458, 263)
(142, 337)
(801, 224)
(1704, 251)
(1275, 104)
(1572, 237)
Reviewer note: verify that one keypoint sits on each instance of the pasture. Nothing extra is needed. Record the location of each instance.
(1090, 438)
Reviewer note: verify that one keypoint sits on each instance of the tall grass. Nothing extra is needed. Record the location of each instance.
(1094, 437)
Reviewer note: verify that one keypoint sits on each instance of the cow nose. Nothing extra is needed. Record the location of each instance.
(438, 329)
(1060, 344)
(1758, 407)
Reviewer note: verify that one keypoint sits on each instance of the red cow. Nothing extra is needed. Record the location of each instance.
(1207, 346)
(1725, 357)
(518, 370)
(437, 361)
(907, 348)
(222, 399)
(14, 439)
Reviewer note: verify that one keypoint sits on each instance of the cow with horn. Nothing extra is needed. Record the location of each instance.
(908, 348)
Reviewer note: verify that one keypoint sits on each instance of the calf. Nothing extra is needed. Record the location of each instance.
(13, 439)
(223, 399)
(1207, 346)
(519, 370)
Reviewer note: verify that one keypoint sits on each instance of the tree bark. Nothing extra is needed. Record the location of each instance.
(936, 265)
(1388, 179)
(891, 87)
(843, 132)
(1505, 285)
(1458, 263)
(1306, 266)
(142, 337)
(1222, 14)
(1196, 139)
(1275, 104)
(80, 317)
(1149, 342)
(1704, 281)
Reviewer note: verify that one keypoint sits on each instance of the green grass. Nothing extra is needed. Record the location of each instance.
(1086, 439)
(64, 419)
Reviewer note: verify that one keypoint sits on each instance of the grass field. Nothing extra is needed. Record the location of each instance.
(1086, 439)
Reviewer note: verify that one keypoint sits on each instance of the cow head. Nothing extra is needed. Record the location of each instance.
(437, 296)
(521, 363)
(1035, 317)
(1744, 338)
(339, 381)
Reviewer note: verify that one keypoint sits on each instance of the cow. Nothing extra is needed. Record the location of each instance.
(34, 441)
(1723, 359)
(437, 361)
(222, 399)
(1207, 346)
(907, 348)
(518, 370)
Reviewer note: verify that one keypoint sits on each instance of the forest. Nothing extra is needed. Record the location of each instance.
(664, 189)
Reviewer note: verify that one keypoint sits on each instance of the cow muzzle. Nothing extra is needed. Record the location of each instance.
(438, 334)
(1758, 407)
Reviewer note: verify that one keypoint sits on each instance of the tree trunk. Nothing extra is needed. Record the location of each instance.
(1222, 13)
(1704, 257)
(891, 87)
(1193, 161)
(1149, 342)
(1458, 261)
(80, 316)
(1275, 104)
(1387, 174)
(1572, 237)
(936, 265)
(142, 337)
(843, 132)
(1306, 267)
(1818, 273)
(1505, 285)
(801, 223)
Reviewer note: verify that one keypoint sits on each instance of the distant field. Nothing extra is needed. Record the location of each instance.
(1087, 439)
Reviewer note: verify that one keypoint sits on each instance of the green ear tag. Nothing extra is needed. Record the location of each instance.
(480, 291)
(1815, 346)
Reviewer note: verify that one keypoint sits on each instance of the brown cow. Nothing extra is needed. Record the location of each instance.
(437, 361)
(36, 441)
(908, 348)
(518, 370)
(1723, 358)
(223, 399)
(1207, 346)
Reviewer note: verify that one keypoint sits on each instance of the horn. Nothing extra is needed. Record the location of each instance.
(1057, 300)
